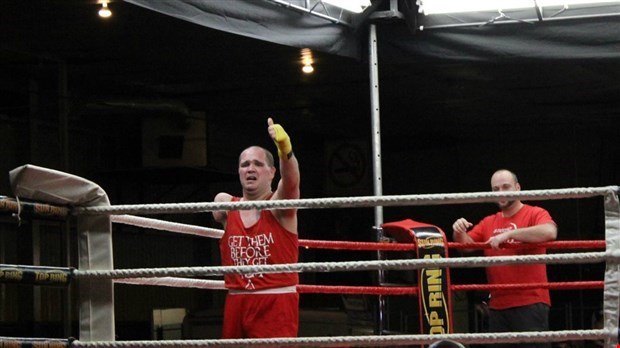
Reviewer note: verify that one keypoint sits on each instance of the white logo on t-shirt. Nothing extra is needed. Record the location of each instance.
(254, 250)
(512, 227)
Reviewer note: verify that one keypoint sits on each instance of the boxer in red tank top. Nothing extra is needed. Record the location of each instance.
(262, 305)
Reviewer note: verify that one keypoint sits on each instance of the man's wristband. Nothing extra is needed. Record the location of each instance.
(289, 155)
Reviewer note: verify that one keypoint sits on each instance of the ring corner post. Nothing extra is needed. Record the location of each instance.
(611, 300)
(94, 240)
(96, 295)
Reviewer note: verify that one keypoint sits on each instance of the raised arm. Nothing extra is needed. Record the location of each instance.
(288, 186)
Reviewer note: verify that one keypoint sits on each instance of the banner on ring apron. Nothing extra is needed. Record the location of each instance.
(35, 275)
(434, 294)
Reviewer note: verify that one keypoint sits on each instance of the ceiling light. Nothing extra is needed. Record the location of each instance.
(307, 69)
(307, 60)
(105, 12)
(356, 6)
(454, 6)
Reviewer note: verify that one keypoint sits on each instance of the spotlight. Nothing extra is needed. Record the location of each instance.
(307, 69)
(307, 60)
(104, 12)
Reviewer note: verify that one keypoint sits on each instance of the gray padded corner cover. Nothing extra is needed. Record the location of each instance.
(55, 187)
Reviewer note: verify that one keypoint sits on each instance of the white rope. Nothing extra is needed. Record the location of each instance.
(349, 341)
(463, 262)
(349, 202)
(365, 341)
(146, 274)
(175, 282)
(167, 226)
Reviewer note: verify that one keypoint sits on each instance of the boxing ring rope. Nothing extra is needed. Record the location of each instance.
(611, 334)
(347, 266)
(163, 225)
(54, 276)
(339, 245)
(175, 282)
(61, 276)
(364, 290)
(375, 341)
(330, 341)
(335, 341)
(168, 226)
(89, 203)
(365, 341)
(375, 246)
(349, 202)
(391, 342)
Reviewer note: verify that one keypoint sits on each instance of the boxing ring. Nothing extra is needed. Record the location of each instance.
(65, 195)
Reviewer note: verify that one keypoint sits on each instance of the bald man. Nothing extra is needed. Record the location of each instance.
(513, 310)
(262, 305)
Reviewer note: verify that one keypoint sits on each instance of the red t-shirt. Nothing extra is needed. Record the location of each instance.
(264, 243)
(512, 274)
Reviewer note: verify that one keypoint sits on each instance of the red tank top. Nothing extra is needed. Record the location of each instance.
(264, 243)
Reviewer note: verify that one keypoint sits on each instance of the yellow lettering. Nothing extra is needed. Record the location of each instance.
(433, 276)
(430, 242)
(50, 277)
(434, 288)
(58, 277)
(435, 299)
(11, 275)
(41, 276)
(49, 210)
(437, 330)
(434, 319)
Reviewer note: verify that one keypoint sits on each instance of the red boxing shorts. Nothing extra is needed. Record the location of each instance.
(261, 315)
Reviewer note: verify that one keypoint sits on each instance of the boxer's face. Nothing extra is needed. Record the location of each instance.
(255, 173)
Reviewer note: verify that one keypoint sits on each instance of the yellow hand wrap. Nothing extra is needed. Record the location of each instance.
(283, 142)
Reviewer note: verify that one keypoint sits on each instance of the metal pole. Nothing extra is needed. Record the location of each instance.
(376, 153)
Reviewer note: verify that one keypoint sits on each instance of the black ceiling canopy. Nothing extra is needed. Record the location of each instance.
(296, 23)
